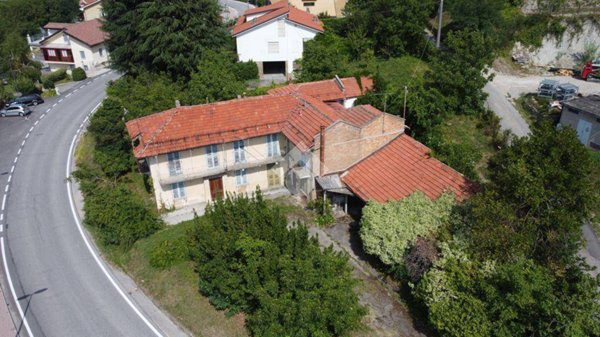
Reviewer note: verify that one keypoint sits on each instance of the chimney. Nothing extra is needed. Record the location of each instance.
(322, 152)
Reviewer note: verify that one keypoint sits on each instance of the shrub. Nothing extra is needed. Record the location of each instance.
(78, 74)
(324, 211)
(120, 216)
(246, 71)
(388, 229)
(57, 75)
(24, 85)
(168, 253)
(48, 83)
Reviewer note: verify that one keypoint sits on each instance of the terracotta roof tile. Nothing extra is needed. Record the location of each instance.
(401, 168)
(359, 115)
(274, 11)
(328, 90)
(56, 25)
(89, 32)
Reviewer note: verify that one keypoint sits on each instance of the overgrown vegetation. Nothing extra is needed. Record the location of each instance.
(78, 74)
(250, 260)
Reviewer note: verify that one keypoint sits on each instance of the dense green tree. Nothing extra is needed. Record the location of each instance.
(396, 27)
(214, 79)
(146, 93)
(249, 260)
(62, 10)
(324, 57)
(482, 15)
(162, 36)
(113, 148)
(389, 229)
(465, 297)
(541, 189)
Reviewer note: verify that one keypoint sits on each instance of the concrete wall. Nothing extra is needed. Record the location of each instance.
(93, 12)
(193, 161)
(253, 44)
(568, 118)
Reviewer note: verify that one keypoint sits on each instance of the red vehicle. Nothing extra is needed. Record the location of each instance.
(591, 70)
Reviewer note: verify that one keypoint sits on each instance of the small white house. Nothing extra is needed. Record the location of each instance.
(273, 36)
(72, 45)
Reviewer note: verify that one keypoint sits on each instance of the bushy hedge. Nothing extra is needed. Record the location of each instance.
(248, 260)
(245, 71)
(56, 76)
(78, 74)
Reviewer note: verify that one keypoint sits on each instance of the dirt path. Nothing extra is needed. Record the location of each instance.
(388, 316)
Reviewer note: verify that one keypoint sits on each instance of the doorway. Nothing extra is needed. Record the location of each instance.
(274, 68)
(216, 188)
(273, 175)
(583, 131)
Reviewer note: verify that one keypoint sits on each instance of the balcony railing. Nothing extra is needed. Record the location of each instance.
(191, 175)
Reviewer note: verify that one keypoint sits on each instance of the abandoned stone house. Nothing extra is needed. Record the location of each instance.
(307, 138)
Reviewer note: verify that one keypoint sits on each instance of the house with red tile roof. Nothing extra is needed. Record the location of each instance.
(73, 45)
(285, 139)
(273, 36)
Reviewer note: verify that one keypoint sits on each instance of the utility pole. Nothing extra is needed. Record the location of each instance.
(439, 32)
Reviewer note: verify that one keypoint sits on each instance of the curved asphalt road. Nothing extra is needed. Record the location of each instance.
(60, 286)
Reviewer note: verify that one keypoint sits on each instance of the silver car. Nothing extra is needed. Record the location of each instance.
(15, 110)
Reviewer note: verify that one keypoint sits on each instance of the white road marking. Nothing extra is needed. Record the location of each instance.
(48, 110)
(89, 246)
(1, 228)
(19, 152)
(1, 216)
(42, 116)
(9, 178)
(3, 202)
(36, 122)
(22, 143)
(76, 90)
(12, 169)
(60, 100)
(53, 105)
(6, 188)
(15, 161)
(69, 94)
(31, 129)
(12, 290)
(27, 135)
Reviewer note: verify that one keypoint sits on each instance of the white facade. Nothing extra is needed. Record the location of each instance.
(274, 41)
(89, 58)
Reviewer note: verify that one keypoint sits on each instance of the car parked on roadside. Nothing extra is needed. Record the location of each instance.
(15, 110)
(33, 99)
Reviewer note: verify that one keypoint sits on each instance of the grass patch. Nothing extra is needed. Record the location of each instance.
(176, 288)
(402, 71)
(466, 132)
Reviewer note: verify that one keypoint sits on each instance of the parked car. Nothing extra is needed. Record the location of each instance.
(15, 110)
(33, 99)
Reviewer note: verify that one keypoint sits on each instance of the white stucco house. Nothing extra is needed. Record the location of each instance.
(273, 36)
(71, 45)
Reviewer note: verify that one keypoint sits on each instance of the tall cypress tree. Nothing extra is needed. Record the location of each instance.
(162, 36)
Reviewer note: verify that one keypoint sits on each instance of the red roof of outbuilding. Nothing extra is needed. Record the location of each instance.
(328, 90)
(401, 168)
(56, 25)
(274, 11)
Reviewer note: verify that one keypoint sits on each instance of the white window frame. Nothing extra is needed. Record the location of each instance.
(212, 158)
(51, 52)
(66, 39)
(273, 47)
(82, 54)
(64, 53)
(174, 164)
(241, 178)
(178, 190)
(239, 151)
(273, 145)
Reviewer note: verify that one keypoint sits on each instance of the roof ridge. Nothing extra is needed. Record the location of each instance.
(159, 130)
